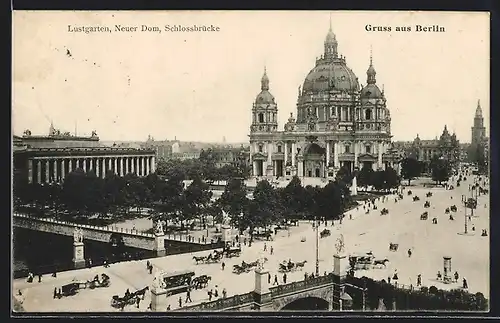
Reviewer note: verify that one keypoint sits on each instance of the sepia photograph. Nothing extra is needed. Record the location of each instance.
(250, 161)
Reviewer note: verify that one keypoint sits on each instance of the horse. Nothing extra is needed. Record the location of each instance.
(300, 264)
(198, 259)
(141, 292)
(393, 246)
(447, 211)
(416, 198)
(380, 262)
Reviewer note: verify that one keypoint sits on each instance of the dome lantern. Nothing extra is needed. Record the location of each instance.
(264, 82)
(371, 73)
(330, 44)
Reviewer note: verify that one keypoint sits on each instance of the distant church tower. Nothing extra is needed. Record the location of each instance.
(478, 130)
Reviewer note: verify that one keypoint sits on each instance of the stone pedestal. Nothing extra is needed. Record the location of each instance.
(78, 255)
(226, 233)
(288, 172)
(156, 296)
(330, 173)
(354, 186)
(263, 300)
(270, 170)
(160, 244)
(340, 265)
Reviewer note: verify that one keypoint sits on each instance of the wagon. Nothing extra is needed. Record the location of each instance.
(70, 289)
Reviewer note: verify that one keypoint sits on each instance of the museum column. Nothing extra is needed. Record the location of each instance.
(121, 166)
(126, 165)
(143, 173)
(39, 171)
(132, 165)
(137, 166)
(97, 167)
(115, 170)
(85, 165)
(63, 169)
(47, 174)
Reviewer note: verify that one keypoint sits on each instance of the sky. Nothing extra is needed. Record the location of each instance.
(200, 86)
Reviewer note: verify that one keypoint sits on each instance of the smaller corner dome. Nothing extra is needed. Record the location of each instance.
(264, 97)
(371, 91)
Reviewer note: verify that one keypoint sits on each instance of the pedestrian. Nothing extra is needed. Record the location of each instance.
(39, 278)
(237, 238)
(168, 307)
(216, 292)
(456, 276)
(465, 285)
(188, 296)
(148, 264)
(224, 293)
(137, 301)
(275, 280)
(265, 246)
(419, 280)
(409, 253)
(55, 292)
(272, 250)
(54, 274)
(180, 301)
(150, 269)
(90, 263)
(30, 277)
(268, 278)
(284, 278)
(389, 279)
(106, 265)
(59, 292)
(209, 295)
(245, 241)
(305, 276)
(223, 265)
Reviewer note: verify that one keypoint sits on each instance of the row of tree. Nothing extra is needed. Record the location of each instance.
(441, 169)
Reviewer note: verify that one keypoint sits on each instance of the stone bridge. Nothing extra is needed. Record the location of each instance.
(327, 289)
(132, 238)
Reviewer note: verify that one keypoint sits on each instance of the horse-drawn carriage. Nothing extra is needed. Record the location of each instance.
(393, 246)
(424, 216)
(416, 198)
(361, 262)
(120, 302)
(447, 210)
(200, 281)
(289, 266)
(232, 252)
(384, 211)
(453, 208)
(266, 235)
(325, 233)
(69, 289)
(428, 194)
(213, 257)
(410, 193)
(427, 204)
(245, 267)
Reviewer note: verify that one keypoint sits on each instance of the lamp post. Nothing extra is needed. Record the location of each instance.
(317, 246)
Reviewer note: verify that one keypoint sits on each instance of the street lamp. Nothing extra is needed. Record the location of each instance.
(317, 245)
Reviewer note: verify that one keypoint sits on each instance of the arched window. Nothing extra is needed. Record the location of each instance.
(261, 148)
(279, 148)
(368, 149)
(261, 117)
(347, 148)
(368, 114)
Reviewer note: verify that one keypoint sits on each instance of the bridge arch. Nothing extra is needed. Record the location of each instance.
(308, 303)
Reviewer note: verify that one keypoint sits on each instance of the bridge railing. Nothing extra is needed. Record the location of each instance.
(300, 285)
(221, 304)
(87, 226)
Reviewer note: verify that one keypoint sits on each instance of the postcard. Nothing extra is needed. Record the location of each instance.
(237, 161)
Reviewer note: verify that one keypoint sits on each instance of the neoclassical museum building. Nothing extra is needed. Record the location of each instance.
(338, 123)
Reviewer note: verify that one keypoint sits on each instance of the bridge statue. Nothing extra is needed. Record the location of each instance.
(78, 235)
(158, 282)
(340, 245)
(159, 228)
(226, 219)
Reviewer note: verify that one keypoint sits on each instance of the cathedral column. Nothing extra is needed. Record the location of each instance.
(137, 166)
(110, 166)
(47, 175)
(380, 145)
(77, 163)
(85, 165)
(91, 164)
(356, 153)
(132, 165)
(327, 153)
(39, 171)
(115, 169)
(70, 165)
(336, 154)
(54, 178)
(286, 153)
(126, 165)
(121, 166)
(143, 173)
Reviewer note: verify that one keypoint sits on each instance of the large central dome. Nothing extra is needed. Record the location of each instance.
(331, 74)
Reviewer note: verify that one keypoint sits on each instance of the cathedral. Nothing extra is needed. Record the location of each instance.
(338, 123)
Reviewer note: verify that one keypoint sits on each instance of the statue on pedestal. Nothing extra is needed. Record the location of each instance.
(159, 228)
(226, 219)
(78, 235)
(340, 245)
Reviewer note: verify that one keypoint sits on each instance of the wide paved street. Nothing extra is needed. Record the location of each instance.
(364, 232)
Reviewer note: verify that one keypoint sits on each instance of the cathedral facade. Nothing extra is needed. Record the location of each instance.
(338, 123)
